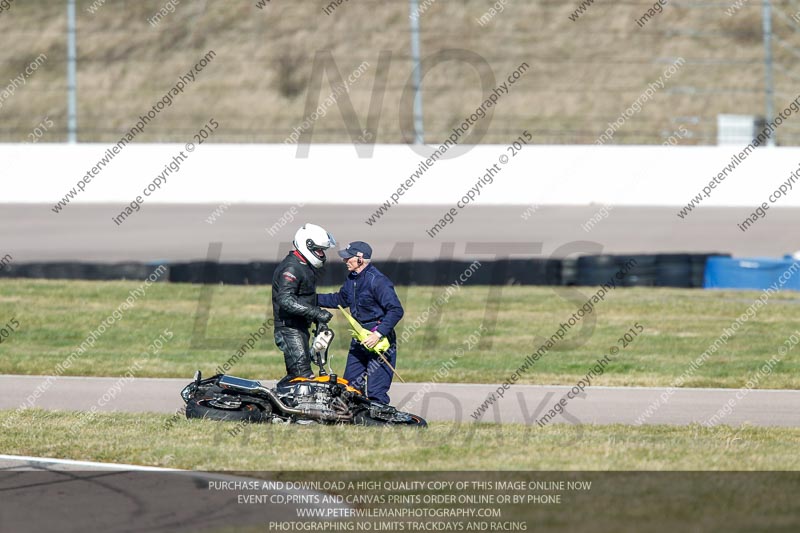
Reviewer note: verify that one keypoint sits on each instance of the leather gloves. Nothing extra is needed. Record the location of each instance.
(323, 316)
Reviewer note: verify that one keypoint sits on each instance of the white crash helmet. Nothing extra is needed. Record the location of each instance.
(312, 241)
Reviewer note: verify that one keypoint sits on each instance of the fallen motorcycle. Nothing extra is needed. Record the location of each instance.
(326, 399)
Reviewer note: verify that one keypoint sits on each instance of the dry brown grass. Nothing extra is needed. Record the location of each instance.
(584, 73)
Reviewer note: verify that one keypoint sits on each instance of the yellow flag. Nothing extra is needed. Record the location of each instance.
(360, 333)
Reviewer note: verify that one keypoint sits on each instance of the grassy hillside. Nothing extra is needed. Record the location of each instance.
(55, 317)
(583, 73)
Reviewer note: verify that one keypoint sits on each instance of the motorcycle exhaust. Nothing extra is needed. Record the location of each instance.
(248, 386)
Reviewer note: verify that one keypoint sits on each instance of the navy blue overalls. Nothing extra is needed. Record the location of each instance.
(374, 303)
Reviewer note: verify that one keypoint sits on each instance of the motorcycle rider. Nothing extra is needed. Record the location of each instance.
(294, 299)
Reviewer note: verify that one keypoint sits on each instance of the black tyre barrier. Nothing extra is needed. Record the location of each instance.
(260, 273)
(595, 269)
(233, 273)
(662, 270)
(441, 272)
(636, 270)
(58, 270)
(74, 270)
(525, 272)
(195, 272)
(15, 270)
(444, 271)
(502, 272)
(569, 271)
(400, 272)
(673, 270)
(122, 271)
(207, 272)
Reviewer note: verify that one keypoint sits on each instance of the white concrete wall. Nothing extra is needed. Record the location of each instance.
(256, 173)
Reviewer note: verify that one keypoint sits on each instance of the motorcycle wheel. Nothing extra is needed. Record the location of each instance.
(362, 418)
(248, 412)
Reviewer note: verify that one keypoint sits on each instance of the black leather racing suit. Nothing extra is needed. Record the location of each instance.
(294, 307)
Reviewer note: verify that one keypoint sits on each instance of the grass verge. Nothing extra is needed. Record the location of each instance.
(506, 324)
(145, 439)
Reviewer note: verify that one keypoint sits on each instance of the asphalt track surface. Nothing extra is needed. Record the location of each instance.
(449, 402)
(85, 232)
(42, 495)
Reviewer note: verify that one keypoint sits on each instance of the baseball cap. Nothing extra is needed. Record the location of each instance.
(355, 248)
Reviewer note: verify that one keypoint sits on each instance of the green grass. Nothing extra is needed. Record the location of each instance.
(55, 317)
(199, 444)
(625, 465)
